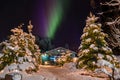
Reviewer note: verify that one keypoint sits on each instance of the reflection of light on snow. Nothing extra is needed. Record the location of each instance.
(16, 70)
(46, 62)
(2, 71)
(32, 67)
(1, 55)
(92, 45)
(95, 48)
(95, 31)
(84, 35)
(88, 40)
(104, 48)
(86, 51)
(47, 66)
(75, 59)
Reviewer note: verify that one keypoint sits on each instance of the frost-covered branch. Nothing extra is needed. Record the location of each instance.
(112, 3)
(110, 18)
(116, 21)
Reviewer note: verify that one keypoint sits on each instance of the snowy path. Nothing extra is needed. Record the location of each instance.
(57, 73)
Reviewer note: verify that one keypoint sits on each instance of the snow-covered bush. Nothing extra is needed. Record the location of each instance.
(20, 51)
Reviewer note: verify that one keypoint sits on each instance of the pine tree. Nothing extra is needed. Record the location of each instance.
(93, 47)
(20, 50)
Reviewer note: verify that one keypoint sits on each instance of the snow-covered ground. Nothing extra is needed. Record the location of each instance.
(58, 73)
(67, 72)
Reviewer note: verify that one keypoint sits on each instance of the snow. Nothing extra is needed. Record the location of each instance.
(28, 58)
(100, 56)
(1, 55)
(68, 72)
(109, 57)
(20, 59)
(95, 31)
(93, 25)
(16, 76)
(86, 51)
(102, 62)
(13, 67)
(84, 35)
(71, 66)
(95, 48)
(88, 40)
(92, 45)
(25, 66)
(34, 77)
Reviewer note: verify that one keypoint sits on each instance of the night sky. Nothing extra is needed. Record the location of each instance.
(15, 12)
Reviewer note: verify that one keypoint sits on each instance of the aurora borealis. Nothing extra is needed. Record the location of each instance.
(56, 15)
(60, 20)
(50, 16)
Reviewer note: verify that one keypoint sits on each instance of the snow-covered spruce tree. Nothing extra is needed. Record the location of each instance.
(94, 51)
(20, 52)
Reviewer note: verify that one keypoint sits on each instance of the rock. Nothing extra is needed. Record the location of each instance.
(8, 77)
(13, 76)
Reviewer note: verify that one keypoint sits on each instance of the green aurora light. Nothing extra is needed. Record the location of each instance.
(56, 17)
(55, 20)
